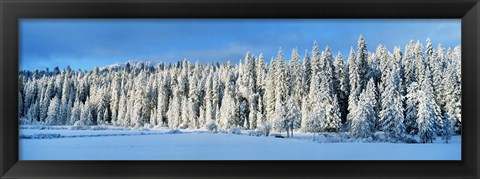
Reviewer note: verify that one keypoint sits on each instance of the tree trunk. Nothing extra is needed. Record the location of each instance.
(314, 136)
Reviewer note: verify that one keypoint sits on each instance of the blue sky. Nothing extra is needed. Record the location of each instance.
(86, 43)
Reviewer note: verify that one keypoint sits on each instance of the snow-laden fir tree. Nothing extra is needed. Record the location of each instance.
(355, 88)
(281, 92)
(296, 87)
(409, 64)
(53, 117)
(270, 91)
(452, 92)
(75, 112)
(313, 114)
(162, 101)
(391, 114)
(229, 109)
(86, 116)
(294, 117)
(341, 72)
(307, 73)
(411, 110)
(329, 101)
(363, 116)
(362, 62)
(426, 119)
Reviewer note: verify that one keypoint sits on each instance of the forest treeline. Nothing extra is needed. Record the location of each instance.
(414, 92)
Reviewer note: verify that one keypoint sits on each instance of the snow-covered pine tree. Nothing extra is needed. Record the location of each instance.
(293, 115)
(280, 122)
(122, 109)
(391, 114)
(229, 109)
(65, 101)
(452, 94)
(362, 62)
(270, 96)
(313, 109)
(115, 88)
(425, 81)
(175, 106)
(33, 113)
(75, 112)
(426, 119)
(411, 109)
(296, 76)
(397, 61)
(216, 92)
(48, 93)
(209, 107)
(355, 88)
(260, 72)
(162, 100)
(438, 69)
(194, 99)
(254, 109)
(140, 98)
(243, 113)
(332, 120)
(31, 90)
(307, 73)
(86, 117)
(362, 118)
(53, 117)
(186, 113)
(409, 64)
(341, 73)
(316, 60)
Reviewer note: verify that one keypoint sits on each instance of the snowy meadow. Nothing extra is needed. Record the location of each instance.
(372, 105)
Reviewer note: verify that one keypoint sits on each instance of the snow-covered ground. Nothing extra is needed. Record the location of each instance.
(100, 143)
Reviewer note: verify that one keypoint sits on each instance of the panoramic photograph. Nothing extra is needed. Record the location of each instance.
(239, 89)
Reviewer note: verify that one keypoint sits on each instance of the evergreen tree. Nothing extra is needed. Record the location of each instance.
(426, 119)
(313, 110)
(281, 92)
(332, 120)
(452, 93)
(342, 75)
(362, 118)
(361, 63)
(75, 113)
(53, 117)
(411, 110)
(270, 96)
(229, 109)
(293, 115)
(86, 117)
(391, 114)
(296, 87)
(355, 88)
(307, 73)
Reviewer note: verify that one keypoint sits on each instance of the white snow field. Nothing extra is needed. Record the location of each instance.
(61, 143)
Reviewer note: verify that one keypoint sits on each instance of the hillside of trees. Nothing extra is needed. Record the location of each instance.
(414, 92)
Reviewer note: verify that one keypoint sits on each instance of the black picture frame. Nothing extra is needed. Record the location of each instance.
(12, 10)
